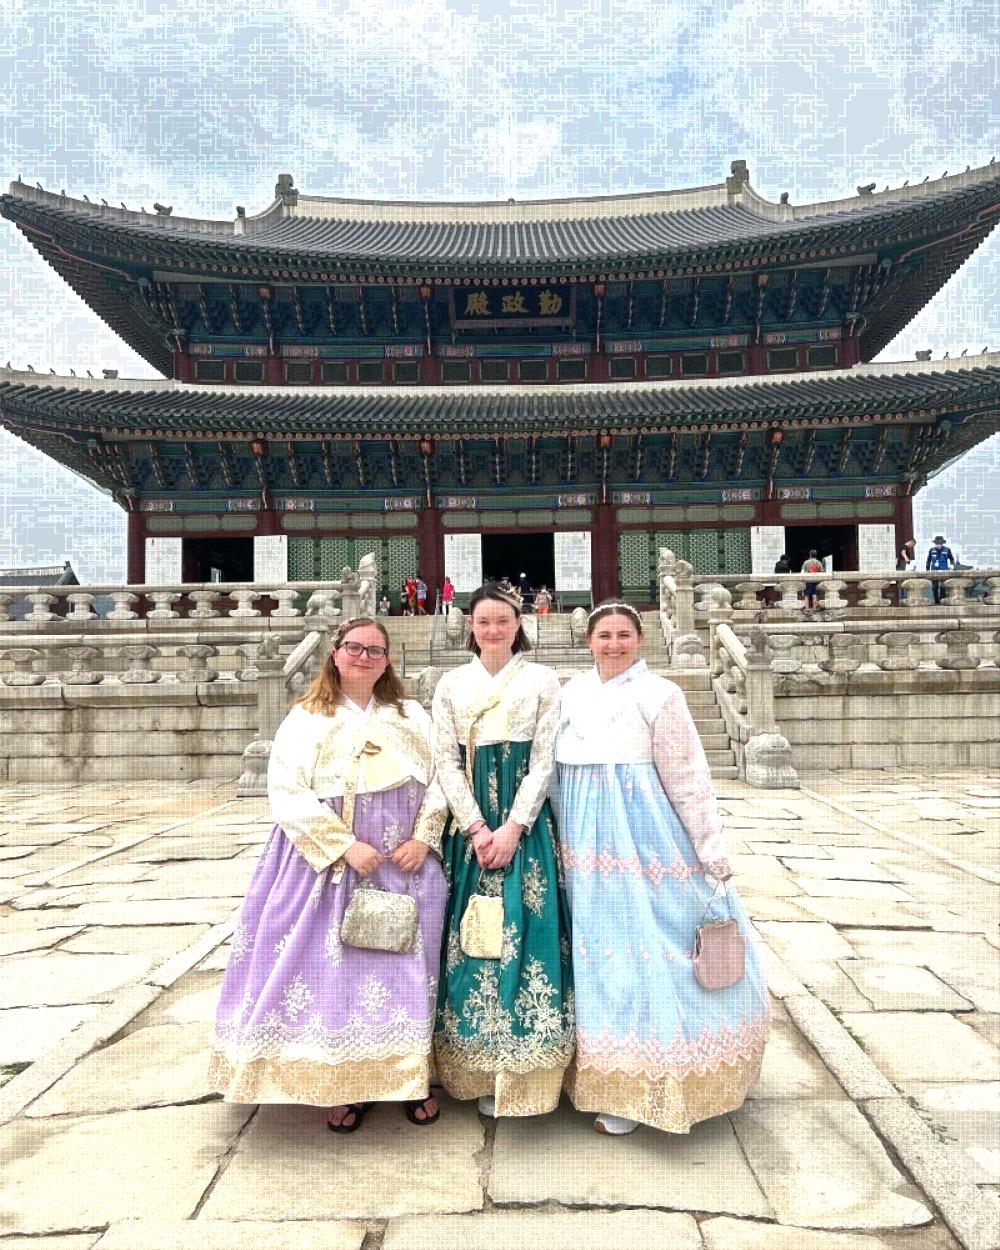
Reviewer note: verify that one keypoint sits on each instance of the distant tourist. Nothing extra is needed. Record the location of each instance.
(421, 591)
(812, 565)
(307, 1002)
(644, 859)
(447, 593)
(543, 601)
(772, 594)
(384, 606)
(939, 560)
(404, 598)
(411, 596)
(906, 561)
(505, 1029)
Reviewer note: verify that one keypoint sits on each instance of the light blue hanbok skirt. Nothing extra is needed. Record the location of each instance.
(652, 1044)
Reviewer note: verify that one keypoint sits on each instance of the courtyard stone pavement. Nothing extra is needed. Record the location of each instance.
(874, 1124)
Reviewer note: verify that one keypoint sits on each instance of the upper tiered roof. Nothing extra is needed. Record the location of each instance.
(920, 234)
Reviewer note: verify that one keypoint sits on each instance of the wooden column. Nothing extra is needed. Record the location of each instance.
(268, 522)
(903, 520)
(135, 550)
(430, 550)
(604, 553)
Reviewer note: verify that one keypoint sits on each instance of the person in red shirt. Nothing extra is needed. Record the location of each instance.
(411, 595)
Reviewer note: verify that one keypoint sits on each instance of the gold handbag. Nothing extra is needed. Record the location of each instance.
(379, 920)
(481, 931)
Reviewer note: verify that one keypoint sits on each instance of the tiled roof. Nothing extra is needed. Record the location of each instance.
(174, 409)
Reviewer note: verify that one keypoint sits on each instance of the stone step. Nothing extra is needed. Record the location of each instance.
(722, 759)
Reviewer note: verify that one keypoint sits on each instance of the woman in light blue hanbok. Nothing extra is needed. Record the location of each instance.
(642, 850)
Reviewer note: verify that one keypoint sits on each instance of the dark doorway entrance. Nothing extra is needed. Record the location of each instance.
(510, 555)
(839, 541)
(232, 558)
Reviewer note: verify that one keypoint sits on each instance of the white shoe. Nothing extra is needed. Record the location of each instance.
(614, 1125)
(488, 1106)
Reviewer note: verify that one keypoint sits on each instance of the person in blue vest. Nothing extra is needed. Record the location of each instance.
(939, 559)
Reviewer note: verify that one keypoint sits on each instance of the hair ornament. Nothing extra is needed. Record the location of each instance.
(616, 608)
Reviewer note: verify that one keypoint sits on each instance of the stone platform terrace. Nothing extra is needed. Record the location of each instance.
(874, 1125)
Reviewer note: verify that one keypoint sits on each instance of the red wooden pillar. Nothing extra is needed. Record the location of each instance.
(135, 550)
(430, 550)
(904, 520)
(268, 522)
(604, 553)
(849, 352)
(183, 369)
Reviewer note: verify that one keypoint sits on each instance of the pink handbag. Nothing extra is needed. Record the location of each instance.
(719, 952)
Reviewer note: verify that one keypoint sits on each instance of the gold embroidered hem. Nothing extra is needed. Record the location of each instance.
(515, 1093)
(669, 1103)
(315, 1083)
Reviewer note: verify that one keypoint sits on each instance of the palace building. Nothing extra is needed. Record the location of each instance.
(552, 387)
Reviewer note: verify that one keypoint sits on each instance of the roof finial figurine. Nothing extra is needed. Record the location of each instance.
(986, 351)
(39, 186)
(867, 189)
(31, 368)
(72, 371)
(784, 197)
(89, 374)
(945, 174)
(924, 354)
(163, 210)
(926, 176)
(63, 192)
(124, 205)
(7, 365)
(52, 371)
(964, 350)
(906, 183)
(86, 197)
(946, 355)
(104, 202)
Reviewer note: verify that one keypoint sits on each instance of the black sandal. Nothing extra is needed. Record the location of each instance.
(358, 1109)
(411, 1108)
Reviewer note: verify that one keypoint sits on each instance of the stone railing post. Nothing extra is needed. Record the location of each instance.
(139, 672)
(688, 650)
(992, 594)
(123, 601)
(79, 674)
(204, 604)
(846, 654)
(272, 704)
(286, 600)
(872, 594)
(956, 591)
(830, 598)
(244, 603)
(40, 609)
(791, 591)
(198, 671)
(958, 644)
(23, 659)
(898, 657)
(768, 755)
(163, 605)
(5, 606)
(917, 591)
(82, 607)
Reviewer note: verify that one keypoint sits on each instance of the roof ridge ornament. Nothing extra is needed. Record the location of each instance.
(285, 191)
(739, 177)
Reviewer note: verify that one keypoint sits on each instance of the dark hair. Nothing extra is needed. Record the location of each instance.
(812, 554)
(613, 607)
(324, 694)
(490, 592)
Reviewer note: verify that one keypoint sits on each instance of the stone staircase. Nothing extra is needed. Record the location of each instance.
(411, 638)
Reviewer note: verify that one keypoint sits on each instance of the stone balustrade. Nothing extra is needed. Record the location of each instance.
(850, 594)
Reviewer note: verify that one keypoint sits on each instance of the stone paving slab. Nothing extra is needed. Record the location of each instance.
(168, 911)
(902, 987)
(544, 1230)
(287, 1163)
(72, 1174)
(821, 1166)
(160, 940)
(806, 940)
(830, 983)
(968, 1114)
(55, 979)
(791, 1068)
(25, 941)
(161, 1065)
(723, 1233)
(231, 1235)
(560, 1158)
(28, 1032)
(71, 1241)
(933, 1047)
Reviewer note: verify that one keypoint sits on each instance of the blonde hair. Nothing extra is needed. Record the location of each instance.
(324, 693)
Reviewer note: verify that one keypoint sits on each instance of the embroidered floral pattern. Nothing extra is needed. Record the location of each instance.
(533, 887)
(534, 1006)
(332, 948)
(509, 949)
(296, 998)
(242, 943)
(484, 1011)
(679, 1058)
(393, 836)
(282, 942)
(453, 952)
(374, 995)
(589, 863)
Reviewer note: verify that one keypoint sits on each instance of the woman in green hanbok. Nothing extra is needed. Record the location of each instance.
(504, 1030)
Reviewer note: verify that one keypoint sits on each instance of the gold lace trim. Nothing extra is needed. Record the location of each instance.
(318, 1084)
(669, 1104)
(516, 1093)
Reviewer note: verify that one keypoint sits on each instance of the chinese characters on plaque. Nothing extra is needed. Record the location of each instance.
(549, 303)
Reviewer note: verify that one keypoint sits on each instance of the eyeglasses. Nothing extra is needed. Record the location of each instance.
(355, 649)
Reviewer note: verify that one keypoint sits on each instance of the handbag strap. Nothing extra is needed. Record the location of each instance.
(721, 887)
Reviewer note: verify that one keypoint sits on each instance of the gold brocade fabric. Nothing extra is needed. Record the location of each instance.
(516, 1093)
(667, 1103)
(319, 1084)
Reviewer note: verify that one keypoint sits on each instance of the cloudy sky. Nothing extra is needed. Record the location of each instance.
(200, 104)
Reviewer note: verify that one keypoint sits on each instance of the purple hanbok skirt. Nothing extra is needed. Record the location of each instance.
(302, 1016)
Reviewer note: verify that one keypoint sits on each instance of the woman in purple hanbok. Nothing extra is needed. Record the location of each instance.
(303, 1016)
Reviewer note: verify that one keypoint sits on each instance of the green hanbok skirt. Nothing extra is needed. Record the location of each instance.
(505, 1026)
